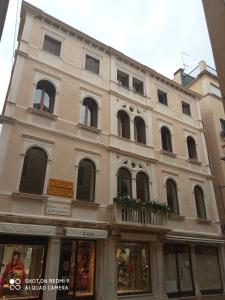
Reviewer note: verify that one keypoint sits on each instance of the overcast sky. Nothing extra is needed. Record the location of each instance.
(154, 32)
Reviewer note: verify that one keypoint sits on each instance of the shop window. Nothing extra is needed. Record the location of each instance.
(171, 194)
(138, 86)
(208, 270)
(44, 97)
(89, 112)
(123, 79)
(166, 139)
(17, 264)
(162, 97)
(192, 152)
(33, 172)
(186, 108)
(139, 130)
(77, 268)
(133, 268)
(200, 203)
(177, 270)
(92, 64)
(123, 122)
(142, 187)
(124, 182)
(52, 45)
(86, 180)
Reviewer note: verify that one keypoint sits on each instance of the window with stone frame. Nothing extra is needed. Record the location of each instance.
(89, 112)
(162, 97)
(171, 194)
(92, 64)
(123, 79)
(44, 97)
(186, 108)
(52, 45)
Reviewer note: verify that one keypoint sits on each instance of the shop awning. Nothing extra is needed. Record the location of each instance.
(27, 229)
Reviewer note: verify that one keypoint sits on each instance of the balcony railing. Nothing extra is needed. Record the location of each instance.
(137, 216)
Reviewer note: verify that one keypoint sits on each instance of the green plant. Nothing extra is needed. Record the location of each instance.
(128, 202)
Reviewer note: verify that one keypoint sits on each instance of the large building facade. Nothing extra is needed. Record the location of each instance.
(87, 130)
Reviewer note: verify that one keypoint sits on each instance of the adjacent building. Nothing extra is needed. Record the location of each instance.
(3, 11)
(203, 80)
(94, 147)
(215, 18)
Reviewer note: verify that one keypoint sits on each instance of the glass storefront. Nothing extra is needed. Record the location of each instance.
(207, 259)
(77, 268)
(133, 268)
(20, 263)
(178, 272)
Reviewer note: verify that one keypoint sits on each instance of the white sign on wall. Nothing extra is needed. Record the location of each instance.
(61, 209)
(86, 233)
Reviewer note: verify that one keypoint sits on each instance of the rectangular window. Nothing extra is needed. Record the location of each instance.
(51, 45)
(92, 64)
(207, 259)
(162, 97)
(222, 124)
(186, 108)
(133, 268)
(20, 262)
(123, 78)
(138, 86)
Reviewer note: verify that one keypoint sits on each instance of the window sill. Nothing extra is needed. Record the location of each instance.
(168, 153)
(92, 72)
(85, 203)
(42, 113)
(203, 221)
(176, 217)
(143, 95)
(123, 86)
(90, 128)
(19, 195)
(194, 161)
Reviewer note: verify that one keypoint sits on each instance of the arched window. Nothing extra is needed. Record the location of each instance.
(89, 113)
(44, 97)
(171, 193)
(124, 182)
(192, 152)
(166, 139)
(199, 201)
(123, 124)
(139, 130)
(33, 173)
(86, 180)
(142, 187)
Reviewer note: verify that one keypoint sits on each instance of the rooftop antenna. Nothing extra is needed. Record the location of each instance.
(185, 66)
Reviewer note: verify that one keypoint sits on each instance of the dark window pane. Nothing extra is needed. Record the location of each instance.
(166, 139)
(89, 113)
(222, 124)
(124, 182)
(123, 78)
(92, 64)
(171, 193)
(33, 173)
(191, 148)
(186, 108)
(138, 86)
(51, 45)
(200, 204)
(162, 97)
(142, 186)
(86, 181)
(139, 130)
(123, 121)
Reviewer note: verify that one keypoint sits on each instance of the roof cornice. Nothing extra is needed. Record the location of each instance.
(65, 28)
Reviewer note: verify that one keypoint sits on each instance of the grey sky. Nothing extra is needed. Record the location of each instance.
(154, 32)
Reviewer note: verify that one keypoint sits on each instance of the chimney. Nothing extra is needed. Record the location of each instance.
(178, 75)
(202, 66)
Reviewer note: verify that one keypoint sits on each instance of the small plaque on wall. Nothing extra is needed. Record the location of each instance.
(59, 187)
(61, 209)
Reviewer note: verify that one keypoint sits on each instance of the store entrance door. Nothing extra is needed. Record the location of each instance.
(77, 269)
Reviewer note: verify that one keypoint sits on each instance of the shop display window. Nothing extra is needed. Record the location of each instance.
(207, 259)
(133, 268)
(18, 264)
(77, 267)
